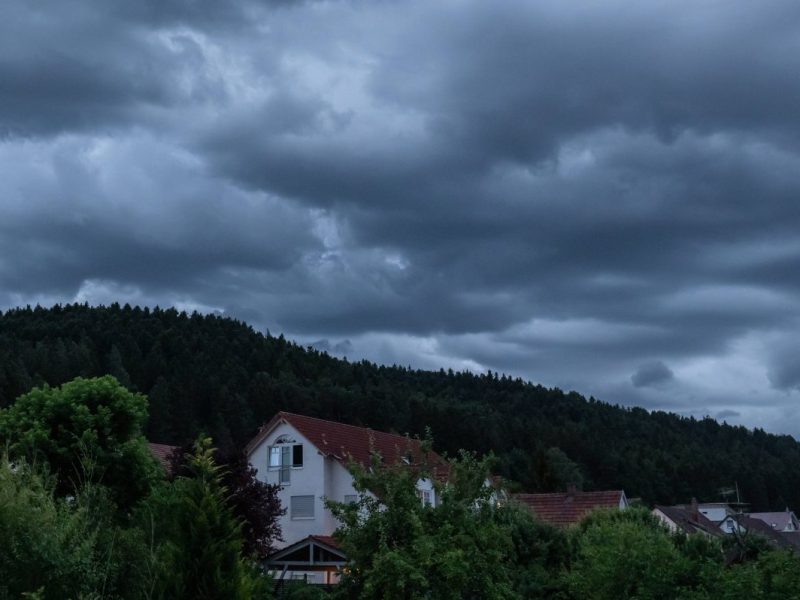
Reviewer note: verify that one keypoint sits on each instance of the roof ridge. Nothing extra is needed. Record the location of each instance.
(405, 436)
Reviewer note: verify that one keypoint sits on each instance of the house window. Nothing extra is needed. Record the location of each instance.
(425, 497)
(281, 458)
(302, 507)
(297, 455)
(350, 498)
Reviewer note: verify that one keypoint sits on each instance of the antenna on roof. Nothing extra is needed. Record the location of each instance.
(727, 493)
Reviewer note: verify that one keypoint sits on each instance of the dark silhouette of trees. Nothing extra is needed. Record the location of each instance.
(219, 376)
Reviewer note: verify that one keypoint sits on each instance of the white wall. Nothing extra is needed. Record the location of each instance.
(339, 484)
(306, 480)
(714, 513)
(319, 476)
(665, 520)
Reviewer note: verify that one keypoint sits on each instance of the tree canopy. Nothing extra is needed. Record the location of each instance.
(86, 430)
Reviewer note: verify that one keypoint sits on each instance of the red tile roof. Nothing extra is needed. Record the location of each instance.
(567, 508)
(163, 454)
(348, 442)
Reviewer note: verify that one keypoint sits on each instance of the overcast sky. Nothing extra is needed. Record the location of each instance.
(599, 196)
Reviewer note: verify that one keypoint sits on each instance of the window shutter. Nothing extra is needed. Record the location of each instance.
(302, 507)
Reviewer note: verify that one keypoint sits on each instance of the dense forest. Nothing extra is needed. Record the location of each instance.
(204, 373)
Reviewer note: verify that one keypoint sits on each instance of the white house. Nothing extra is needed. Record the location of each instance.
(785, 521)
(309, 459)
(716, 511)
(686, 519)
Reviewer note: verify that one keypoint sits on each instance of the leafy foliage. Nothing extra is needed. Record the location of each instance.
(65, 548)
(539, 553)
(86, 431)
(625, 558)
(399, 548)
(255, 503)
(117, 530)
(45, 545)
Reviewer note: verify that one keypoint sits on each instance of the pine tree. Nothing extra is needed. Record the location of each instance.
(201, 539)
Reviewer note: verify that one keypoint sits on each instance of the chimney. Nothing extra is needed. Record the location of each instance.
(572, 489)
(694, 510)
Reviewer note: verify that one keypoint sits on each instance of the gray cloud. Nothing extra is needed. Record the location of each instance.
(651, 374)
(727, 414)
(342, 348)
(784, 366)
(552, 191)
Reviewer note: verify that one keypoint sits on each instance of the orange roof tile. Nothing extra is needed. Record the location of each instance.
(567, 508)
(348, 442)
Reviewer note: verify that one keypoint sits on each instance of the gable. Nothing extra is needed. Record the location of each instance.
(346, 443)
(281, 433)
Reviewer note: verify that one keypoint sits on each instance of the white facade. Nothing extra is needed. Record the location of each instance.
(308, 485)
(669, 523)
(715, 511)
(730, 525)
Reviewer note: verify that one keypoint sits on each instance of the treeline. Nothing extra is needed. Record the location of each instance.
(219, 376)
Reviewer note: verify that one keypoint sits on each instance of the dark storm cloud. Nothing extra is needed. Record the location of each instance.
(572, 194)
(159, 224)
(650, 374)
(93, 65)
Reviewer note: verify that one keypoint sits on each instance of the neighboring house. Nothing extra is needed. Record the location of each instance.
(715, 511)
(785, 521)
(707, 517)
(686, 519)
(779, 539)
(731, 524)
(778, 529)
(309, 459)
(567, 508)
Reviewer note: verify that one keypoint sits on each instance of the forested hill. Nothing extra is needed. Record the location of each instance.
(217, 375)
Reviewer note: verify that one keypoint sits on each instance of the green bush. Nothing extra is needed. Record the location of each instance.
(86, 431)
(47, 545)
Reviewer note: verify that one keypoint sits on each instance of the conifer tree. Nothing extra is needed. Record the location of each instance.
(200, 539)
